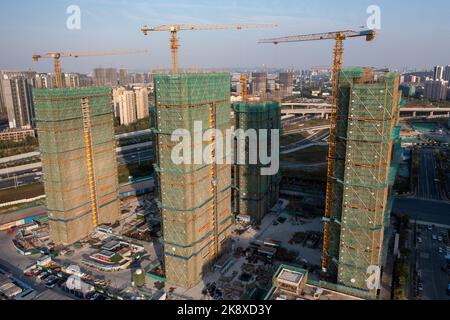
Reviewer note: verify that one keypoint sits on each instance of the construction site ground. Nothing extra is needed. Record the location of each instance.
(282, 232)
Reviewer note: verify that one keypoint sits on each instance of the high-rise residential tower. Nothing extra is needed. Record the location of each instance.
(259, 84)
(438, 73)
(446, 76)
(362, 158)
(254, 193)
(77, 144)
(16, 95)
(194, 193)
(286, 80)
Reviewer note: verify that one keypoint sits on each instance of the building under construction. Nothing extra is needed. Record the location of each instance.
(76, 140)
(255, 194)
(194, 195)
(362, 160)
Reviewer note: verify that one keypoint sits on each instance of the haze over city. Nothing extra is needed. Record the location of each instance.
(410, 37)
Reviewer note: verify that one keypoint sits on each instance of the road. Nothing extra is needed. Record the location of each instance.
(28, 176)
(40, 210)
(428, 186)
(424, 210)
(316, 138)
(431, 264)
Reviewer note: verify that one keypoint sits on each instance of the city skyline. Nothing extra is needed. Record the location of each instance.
(118, 27)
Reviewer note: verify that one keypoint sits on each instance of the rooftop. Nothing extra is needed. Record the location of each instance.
(290, 276)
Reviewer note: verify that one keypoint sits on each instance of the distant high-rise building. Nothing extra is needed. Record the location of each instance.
(130, 104)
(255, 194)
(438, 73)
(259, 84)
(77, 145)
(99, 77)
(436, 90)
(106, 76)
(446, 76)
(127, 107)
(142, 110)
(194, 196)
(111, 77)
(86, 81)
(16, 95)
(364, 149)
(44, 81)
(286, 80)
(138, 78)
(71, 80)
(123, 77)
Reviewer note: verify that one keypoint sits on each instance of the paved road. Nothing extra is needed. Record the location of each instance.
(40, 210)
(425, 210)
(431, 264)
(316, 138)
(29, 176)
(428, 187)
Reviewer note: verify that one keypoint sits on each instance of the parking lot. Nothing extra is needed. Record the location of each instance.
(432, 272)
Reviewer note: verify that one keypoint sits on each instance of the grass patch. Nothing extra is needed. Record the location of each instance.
(143, 170)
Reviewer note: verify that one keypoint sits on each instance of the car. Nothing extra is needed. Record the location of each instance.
(430, 228)
(434, 237)
(441, 250)
(419, 240)
(94, 296)
(420, 287)
(440, 239)
(51, 284)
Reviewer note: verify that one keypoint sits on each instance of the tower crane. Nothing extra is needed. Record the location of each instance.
(244, 86)
(56, 56)
(175, 28)
(339, 37)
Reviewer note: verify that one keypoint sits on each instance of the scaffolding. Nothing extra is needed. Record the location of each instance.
(194, 195)
(255, 194)
(77, 144)
(366, 129)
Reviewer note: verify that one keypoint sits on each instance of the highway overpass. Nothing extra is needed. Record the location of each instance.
(324, 109)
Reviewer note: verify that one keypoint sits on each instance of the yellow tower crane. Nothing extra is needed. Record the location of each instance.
(244, 86)
(339, 37)
(56, 56)
(175, 28)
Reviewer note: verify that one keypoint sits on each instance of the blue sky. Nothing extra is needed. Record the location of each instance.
(413, 33)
